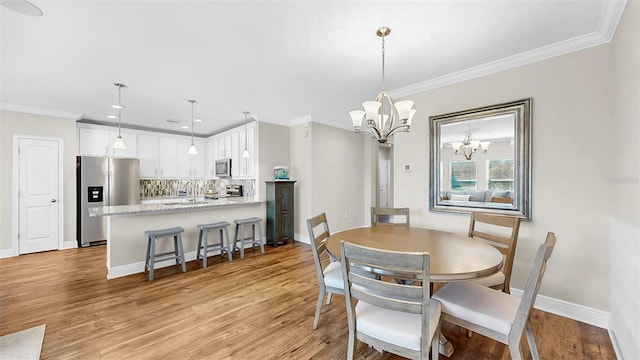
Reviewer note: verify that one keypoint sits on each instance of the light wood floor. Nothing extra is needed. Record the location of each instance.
(260, 307)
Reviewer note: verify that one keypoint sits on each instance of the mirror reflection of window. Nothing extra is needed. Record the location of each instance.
(482, 153)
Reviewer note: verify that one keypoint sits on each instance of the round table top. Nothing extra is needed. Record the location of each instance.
(453, 257)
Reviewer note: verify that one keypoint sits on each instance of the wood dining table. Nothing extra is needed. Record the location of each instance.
(453, 257)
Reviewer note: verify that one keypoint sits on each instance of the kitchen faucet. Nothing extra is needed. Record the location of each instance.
(193, 190)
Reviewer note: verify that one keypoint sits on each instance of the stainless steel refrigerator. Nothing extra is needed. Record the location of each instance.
(102, 181)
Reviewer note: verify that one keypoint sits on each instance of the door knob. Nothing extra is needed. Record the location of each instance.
(53, 200)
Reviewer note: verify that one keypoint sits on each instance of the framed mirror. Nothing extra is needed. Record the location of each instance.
(481, 160)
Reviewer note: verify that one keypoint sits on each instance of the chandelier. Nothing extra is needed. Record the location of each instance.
(469, 146)
(384, 118)
(119, 144)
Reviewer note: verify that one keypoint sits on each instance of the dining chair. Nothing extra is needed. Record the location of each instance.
(495, 314)
(494, 230)
(397, 318)
(388, 216)
(329, 277)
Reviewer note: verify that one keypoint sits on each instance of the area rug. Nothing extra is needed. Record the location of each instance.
(22, 345)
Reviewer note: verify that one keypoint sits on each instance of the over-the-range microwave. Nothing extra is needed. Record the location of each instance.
(223, 168)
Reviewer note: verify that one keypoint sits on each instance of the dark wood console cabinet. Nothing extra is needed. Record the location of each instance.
(279, 212)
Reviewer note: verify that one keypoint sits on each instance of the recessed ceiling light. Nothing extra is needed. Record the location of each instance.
(117, 106)
(184, 126)
(174, 121)
(197, 120)
(112, 116)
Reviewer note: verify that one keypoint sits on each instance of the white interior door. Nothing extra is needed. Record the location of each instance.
(39, 199)
(383, 177)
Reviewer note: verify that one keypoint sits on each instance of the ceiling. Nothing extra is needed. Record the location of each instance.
(285, 62)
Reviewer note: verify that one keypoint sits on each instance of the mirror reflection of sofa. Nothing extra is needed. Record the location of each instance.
(478, 196)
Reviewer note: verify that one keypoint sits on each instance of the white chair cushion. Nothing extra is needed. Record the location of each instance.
(395, 327)
(333, 275)
(478, 304)
(495, 279)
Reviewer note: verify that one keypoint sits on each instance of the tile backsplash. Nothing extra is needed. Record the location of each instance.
(169, 187)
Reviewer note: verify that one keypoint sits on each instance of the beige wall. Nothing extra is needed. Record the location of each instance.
(16, 123)
(570, 156)
(337, 185)
(273, 150)
(300, 169)
(623, 180)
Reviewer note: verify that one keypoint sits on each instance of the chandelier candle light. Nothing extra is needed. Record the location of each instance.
(119, 144)
(384, 118)
(192, 148)
(469, 145)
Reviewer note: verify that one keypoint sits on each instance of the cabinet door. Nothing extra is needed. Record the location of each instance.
(226, 146)
(183, 158)
(209, 158)
(130, 139)
(92, 142)
(197, 161)
(251, 146)
(148, 154)
(236, 164)
(168, 157)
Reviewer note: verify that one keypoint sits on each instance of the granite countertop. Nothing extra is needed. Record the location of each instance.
(122, 210)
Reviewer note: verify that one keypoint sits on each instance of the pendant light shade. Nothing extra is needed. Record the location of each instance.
(119, 144)
(192, 148)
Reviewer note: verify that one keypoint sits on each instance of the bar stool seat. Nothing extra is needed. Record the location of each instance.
(177, 253)
(223, 246)
(239, 236)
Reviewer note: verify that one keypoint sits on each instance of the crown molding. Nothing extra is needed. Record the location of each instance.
(40, 111)
(609, 19)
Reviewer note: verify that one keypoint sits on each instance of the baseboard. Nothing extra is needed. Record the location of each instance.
(614, 343)
(69, 245)
(570, 310)
(302, 238)
(6, 253)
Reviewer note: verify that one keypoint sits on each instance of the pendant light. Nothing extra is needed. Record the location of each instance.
(119, 144)
(192, 148)
(245, 154)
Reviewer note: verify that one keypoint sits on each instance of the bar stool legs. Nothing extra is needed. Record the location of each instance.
(239, 236)
(177, 253)
(223, 229)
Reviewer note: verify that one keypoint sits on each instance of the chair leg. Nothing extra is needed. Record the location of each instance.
(261, 242)
(199, 245)
(329, 298)
(146, 264)
(240, 234)
(205, 238)
(152, 254)
(351, 345)
(318, 307)
(228, 247)
(435, 344)
(531, 340)
(181, 252)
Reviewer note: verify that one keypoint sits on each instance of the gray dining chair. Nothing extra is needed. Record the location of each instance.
(389, 216)
(397, 318)
(494, 314)
(329, 276)
(501, 232)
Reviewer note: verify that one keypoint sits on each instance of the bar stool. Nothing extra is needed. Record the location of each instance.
(240, 224)
(223, 228)
(177, 253)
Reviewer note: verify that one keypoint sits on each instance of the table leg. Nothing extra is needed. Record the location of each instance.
(445, 347)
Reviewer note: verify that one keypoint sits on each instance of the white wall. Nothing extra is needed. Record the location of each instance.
(570, 104)
(17, 123)
(623, 180)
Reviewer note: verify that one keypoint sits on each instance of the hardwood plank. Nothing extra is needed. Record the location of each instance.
(261, 307)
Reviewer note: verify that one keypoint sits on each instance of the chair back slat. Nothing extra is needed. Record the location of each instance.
(387, 216)
(506, 244)
(533, 285)
(319, 242)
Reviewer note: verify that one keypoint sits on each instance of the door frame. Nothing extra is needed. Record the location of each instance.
(15, 208)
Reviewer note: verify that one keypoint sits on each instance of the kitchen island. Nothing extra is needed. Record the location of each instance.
(126, 224)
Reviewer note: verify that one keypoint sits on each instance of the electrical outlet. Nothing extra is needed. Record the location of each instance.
(346, 215)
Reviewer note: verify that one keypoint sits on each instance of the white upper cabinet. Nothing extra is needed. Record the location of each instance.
(231, 144)
(190, 166)
(148, 155)
(99, 142)
(130, 139)
(168, 157)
